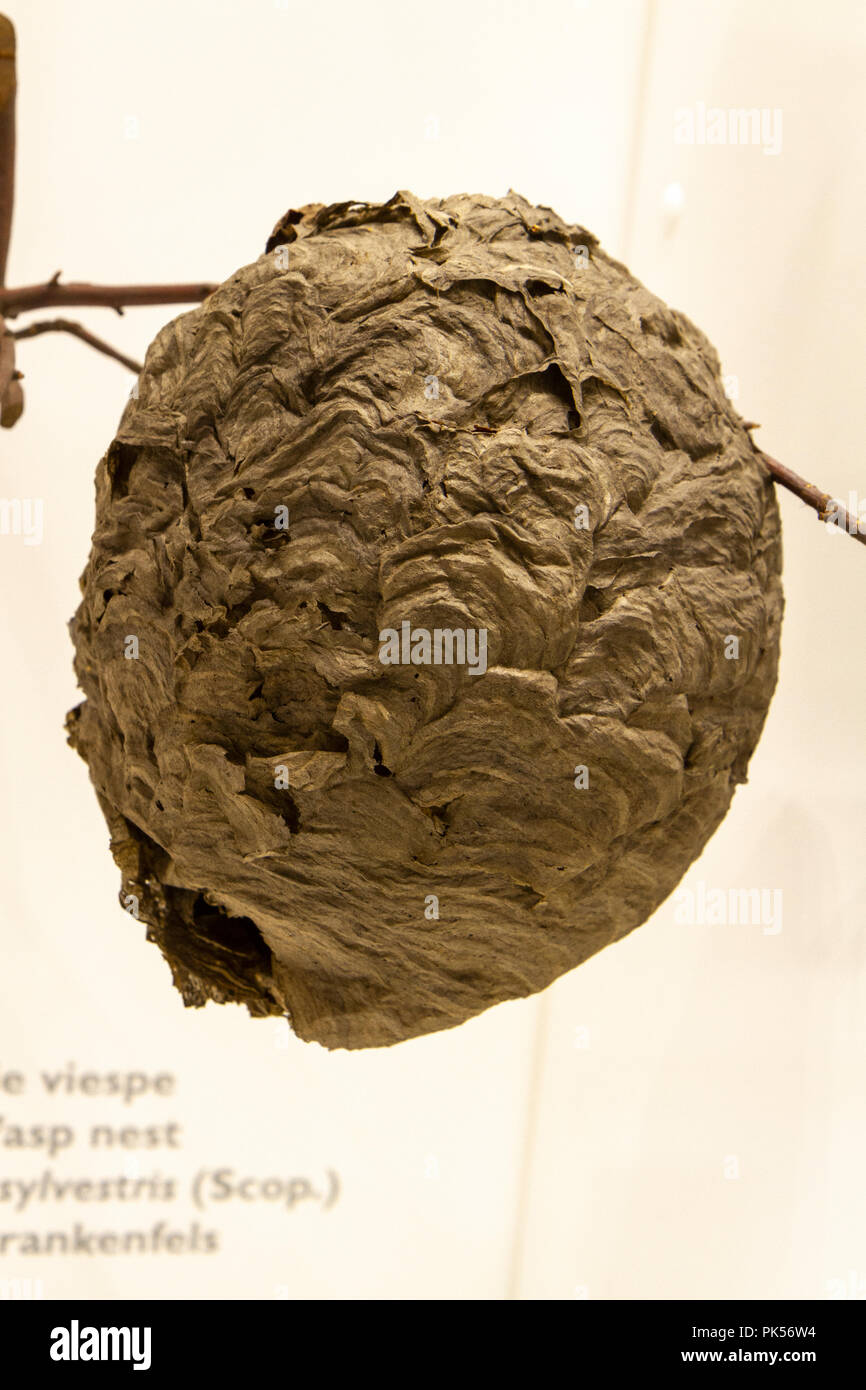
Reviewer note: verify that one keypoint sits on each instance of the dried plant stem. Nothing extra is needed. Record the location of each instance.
(813, 496)
(11, 395)
(52, 294)
(35, 330)
(7, 138)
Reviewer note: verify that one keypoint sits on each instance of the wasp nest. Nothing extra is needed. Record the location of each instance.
(431, 619)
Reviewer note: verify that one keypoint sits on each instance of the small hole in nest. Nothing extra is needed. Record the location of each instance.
(663, 435)
(380, 769)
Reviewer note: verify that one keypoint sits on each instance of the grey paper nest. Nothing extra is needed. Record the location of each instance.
(461, 415)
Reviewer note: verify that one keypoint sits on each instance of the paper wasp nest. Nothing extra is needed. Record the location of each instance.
(431, 619)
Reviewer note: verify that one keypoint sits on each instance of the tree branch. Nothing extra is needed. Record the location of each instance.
(34, 330)
(813, 497)
(11, 395)
(7, 138)
(52, 295)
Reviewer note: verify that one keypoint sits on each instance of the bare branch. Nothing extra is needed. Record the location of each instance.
(52, 295)
(7, 138)
(35, 330)
(11, 395)
(813, 496)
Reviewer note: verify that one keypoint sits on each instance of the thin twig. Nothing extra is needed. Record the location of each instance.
(11, 395)
(52, 294)
(34, 330)
(813, 497)
(7, 138)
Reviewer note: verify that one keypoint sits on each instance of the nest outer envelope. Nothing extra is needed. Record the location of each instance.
(431, 388)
